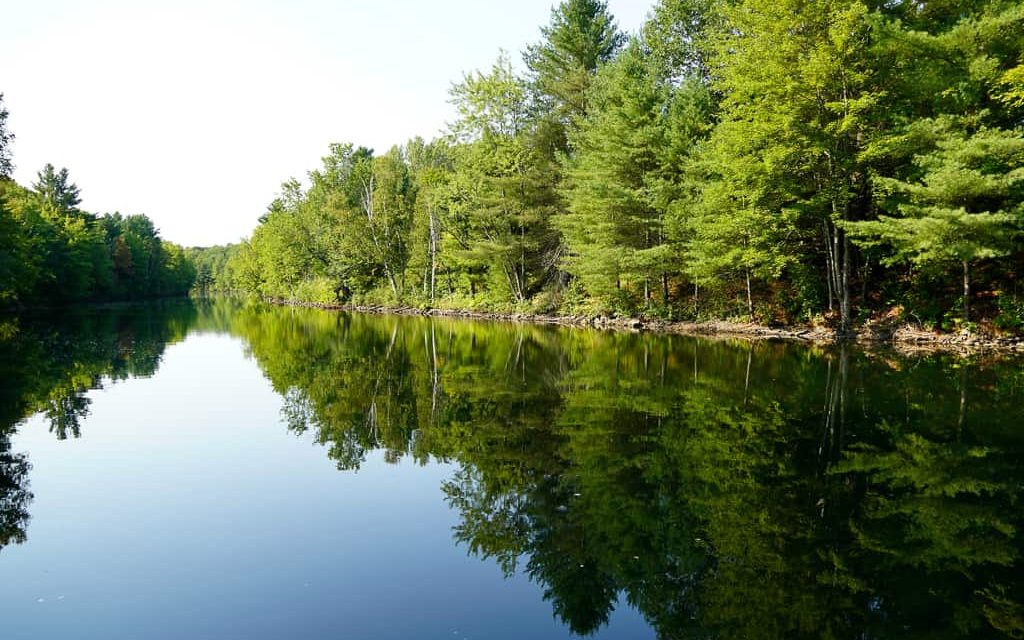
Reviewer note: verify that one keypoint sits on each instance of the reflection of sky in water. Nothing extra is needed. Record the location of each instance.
(187, 510)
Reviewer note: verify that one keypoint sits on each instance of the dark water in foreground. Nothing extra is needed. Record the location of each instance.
(211, 470)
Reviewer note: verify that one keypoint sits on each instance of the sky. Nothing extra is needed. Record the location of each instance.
(195, 112)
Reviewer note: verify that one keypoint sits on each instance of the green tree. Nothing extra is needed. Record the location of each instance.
(388, 202)
(964, 204)
(19, 255)
(677, 34)
(510, 196)
(211, 266)
(344, 190)
(629, 156)
(731, 231)
(75, 261)
(6, 138)
(581, 36)
(58, 194)
(52, 251)
(430, 166)
(796, 81)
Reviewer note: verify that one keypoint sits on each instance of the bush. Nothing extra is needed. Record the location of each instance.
(316, 291)
(1011, 313)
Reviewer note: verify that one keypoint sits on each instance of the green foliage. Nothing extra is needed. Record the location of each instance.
(964, 203)
(582, 36)
(776, 160)
(317, 291)
(967, 196)
(18, 266)
(623, 177)
(1011, 312)
(53, 252)
(678, 36)
(211, 266)
(6, 138)
(57, 194)
(1012, 82)
(501, 220)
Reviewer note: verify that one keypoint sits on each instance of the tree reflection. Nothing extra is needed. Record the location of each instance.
(723, 490)
(15, 496)
(48, 364)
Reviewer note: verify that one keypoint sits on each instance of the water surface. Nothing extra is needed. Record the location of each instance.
(219, 470)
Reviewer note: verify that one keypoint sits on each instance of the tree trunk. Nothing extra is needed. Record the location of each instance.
(368, 209)
(967, 293)
(391, 279)
(522, 263)
(845, 322)
(839, 259)
(512, 277)
(829, 267)
(433, 256)
(750, 298)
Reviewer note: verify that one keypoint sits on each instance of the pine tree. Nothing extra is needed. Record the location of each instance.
(796, 112)
(622, 180)
(582, 35)
(964, 204)
(505, 181)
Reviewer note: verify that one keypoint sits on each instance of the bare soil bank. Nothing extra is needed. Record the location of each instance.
(901, 337)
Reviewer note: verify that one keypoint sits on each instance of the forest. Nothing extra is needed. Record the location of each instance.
(831, 163)
(53, 253)
(780, 161)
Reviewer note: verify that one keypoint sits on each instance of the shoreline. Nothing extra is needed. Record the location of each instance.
(903, 338)
(17, 309)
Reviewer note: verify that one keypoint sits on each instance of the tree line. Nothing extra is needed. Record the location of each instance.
(783, 161)
(54, 252)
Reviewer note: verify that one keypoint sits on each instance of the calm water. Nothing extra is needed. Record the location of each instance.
(213, 470)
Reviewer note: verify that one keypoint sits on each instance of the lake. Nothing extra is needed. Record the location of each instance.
(213, 469)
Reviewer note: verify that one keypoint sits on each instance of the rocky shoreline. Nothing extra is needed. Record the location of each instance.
(900, 337)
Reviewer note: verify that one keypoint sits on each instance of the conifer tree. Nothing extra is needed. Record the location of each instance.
(964, 203)
(622, 180)
(582, 35)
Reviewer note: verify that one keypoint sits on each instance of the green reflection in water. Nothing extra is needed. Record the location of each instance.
(726, 489)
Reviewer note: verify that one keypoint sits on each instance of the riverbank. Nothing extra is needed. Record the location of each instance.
(901, 337)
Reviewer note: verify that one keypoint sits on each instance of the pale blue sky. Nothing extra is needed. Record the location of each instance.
(194, 112)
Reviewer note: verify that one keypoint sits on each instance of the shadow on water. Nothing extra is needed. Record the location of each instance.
(722, 489)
